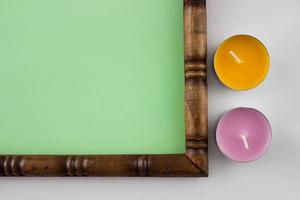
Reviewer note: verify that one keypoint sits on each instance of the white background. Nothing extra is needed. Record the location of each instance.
(275, 176)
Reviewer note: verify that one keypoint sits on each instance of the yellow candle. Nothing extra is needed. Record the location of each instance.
(242, 62)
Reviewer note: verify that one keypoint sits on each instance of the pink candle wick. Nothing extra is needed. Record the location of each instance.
(245, 141)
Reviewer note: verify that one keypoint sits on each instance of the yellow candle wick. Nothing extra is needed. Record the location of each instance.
(236, 58)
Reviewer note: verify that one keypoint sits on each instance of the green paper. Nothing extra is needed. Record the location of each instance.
(91, 77)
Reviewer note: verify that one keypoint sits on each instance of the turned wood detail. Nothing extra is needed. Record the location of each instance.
(197, 144)
(194, 162)
(75, 165)
(195, 70)
(10, 165)
(142, 165)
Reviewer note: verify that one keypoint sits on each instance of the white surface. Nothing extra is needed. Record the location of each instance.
(275, 176)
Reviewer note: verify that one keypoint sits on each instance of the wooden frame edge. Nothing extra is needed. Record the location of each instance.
(107, 165)
(191, 164)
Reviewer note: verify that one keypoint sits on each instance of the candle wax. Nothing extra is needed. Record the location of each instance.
(243, 134)
(241, 62)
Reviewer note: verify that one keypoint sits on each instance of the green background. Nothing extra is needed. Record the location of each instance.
(91, 77)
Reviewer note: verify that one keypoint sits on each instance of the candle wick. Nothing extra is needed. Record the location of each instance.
(244, 138)
(236, 58)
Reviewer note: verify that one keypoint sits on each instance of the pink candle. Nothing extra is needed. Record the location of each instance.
(243, 134)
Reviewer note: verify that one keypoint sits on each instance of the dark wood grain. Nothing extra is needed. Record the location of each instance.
(193, 163)
(195, 37)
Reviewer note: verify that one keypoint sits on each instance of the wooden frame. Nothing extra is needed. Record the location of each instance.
(195, 160)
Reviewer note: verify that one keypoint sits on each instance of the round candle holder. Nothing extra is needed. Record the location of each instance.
(243, 134)
(241, 62)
